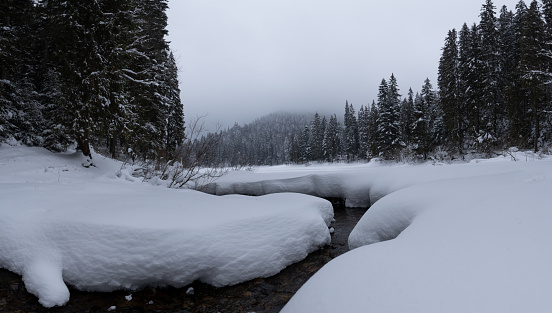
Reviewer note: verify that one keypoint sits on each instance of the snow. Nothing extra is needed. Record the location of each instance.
(438, 238)
(467, 244)
(99, 229)
(468, 237)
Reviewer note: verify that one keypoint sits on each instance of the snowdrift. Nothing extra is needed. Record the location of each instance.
(63, 223)
(466, 238)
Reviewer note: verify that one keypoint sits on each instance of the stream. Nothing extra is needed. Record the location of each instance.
(258, 295)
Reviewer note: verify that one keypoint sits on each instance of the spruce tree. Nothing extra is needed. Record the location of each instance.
(363, 131)
(373, 135)
(389, 119)
(406, 119)
(449, 86)
(532, 67)
(305, 150)
(492, 101)
(351, 132)
(317, 138)
(332, 141)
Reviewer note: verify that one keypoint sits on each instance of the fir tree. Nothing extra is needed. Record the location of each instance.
(449, 85)
(532, 67)
(305, 146)
(373, 139)
(406, 119)
(389, 119)
(351, 132)
(332, 140)
(363, 131)
(492, 101)
(317, 138)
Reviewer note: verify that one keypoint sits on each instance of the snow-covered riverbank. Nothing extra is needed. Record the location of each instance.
(466, 237)
(63, 223)
(438, 238)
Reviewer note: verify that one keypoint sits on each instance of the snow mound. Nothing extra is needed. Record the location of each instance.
(361, 185)
(467, 244)
(88, 228)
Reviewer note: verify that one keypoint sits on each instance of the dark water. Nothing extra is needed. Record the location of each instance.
(259, 295)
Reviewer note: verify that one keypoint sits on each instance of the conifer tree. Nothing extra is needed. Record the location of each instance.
(305, 146)
(406, 119)
(373, 139)
(533, 69)
(389, 119)
(317, 138)
(21, 114)
(351, 132)
(421, 127)
(363, 131)
(332, 140)
(492, 101)
(449, 82)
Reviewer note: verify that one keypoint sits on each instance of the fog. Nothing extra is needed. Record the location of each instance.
(242, 59)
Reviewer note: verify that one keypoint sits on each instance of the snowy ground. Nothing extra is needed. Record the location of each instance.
(438, 238)
(465, 238)
(97, 229)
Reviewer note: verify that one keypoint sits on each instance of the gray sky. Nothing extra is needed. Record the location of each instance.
(241, 59)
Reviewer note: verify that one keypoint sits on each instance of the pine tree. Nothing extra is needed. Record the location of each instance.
(175, 121)
(533, 69)
(492, 100)
(305, 150)
(351, 132)
(389, 119)
(363, 132)
(421, 137)
(20, 111)
(317, 138)
(406, 119)
(332, 142)
(373, 139)
(449, 86)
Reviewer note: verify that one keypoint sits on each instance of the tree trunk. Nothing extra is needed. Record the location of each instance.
(84, 145)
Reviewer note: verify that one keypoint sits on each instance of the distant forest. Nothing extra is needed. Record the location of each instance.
(100, 74)
(494, 92)
(96, 73)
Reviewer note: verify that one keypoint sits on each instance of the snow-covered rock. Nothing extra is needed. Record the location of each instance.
(63, 223)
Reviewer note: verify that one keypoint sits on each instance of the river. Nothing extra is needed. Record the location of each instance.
(259, 295)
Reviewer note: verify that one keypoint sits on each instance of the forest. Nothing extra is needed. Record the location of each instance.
(96, 73)
(100, 74)
(493, 92)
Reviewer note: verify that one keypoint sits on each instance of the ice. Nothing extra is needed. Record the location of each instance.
(90, 229)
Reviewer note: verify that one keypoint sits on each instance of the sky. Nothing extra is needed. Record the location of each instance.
(239, 60)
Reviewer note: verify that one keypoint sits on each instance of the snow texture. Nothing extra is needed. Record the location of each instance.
(62, 223)
(451, 238)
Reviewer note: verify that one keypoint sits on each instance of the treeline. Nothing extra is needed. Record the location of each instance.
(265, 141)
(494, 92)
(95, 72)
(393, 128)
(495, 79)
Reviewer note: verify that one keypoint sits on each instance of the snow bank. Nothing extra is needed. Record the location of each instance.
(63, 223)
(359, 184)
(466, 238)
(469, 244)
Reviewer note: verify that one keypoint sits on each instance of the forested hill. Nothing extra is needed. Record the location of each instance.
(265, 141)
(494, 93)
(98, 73)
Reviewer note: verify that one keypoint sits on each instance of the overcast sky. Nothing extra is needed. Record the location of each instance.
(241, 59)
